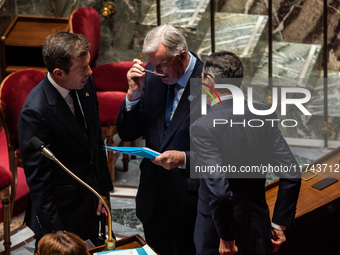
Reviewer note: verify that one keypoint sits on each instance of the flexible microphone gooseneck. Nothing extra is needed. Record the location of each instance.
(36, 143)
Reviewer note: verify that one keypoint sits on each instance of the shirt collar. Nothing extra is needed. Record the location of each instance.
(63, 92)
(188, 71)
(226, 97)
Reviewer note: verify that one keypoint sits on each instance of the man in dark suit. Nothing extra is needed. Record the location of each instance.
(232, 212)
(57, 201)
(157, 107)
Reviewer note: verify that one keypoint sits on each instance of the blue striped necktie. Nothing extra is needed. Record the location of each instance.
(169, 104)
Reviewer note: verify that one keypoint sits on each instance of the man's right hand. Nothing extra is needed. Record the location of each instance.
(227, 247)
(136, 79)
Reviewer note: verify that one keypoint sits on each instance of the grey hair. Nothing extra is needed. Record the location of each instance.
(170, 36)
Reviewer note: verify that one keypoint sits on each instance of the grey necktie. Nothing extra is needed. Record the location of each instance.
(77, 112)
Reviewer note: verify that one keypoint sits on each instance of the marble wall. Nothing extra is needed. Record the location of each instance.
(299, 21)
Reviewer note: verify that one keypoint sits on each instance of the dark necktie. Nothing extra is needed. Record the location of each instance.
(77, 112)
(169, 104)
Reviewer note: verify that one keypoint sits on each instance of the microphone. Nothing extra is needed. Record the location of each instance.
(37, 144)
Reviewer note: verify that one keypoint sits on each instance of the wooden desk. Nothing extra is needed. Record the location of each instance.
(309, 197)
(23, 40)
(130, 242)
(317, 217)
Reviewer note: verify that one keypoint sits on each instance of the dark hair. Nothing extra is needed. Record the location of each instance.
(224, 64)
(60, 48)
(62, 243)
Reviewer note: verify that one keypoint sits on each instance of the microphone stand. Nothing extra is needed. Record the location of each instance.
(110, 243)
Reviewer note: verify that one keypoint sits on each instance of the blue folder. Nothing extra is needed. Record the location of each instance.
(145, 250)
(136, 151)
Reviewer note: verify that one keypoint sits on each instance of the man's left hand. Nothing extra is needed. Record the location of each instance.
(100, 204)
(170, 159)
(278, 239)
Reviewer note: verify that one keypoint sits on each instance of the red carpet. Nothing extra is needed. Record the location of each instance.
(22, 189)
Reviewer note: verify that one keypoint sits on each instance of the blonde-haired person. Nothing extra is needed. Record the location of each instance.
(62, 243)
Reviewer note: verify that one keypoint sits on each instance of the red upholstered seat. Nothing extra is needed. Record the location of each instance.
(81, 22)
(21, 195)
(112, 76)
(13, 92)
(109, 100)
(22, 190)
(5, 178)
(110, 79)
(112, 85)
(5, 183)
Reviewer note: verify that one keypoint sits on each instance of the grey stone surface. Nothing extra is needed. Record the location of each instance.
(245, 35)
(291, 60)
(190, 16)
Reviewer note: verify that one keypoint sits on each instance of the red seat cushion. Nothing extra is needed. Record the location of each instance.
(21, 195)
(112, 76)
(22, 188)
(109, 105)
(5, 177)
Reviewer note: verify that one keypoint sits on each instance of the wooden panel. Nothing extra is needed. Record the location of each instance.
(317, 222)
(309, 197)
(23, 40)
(31, 31)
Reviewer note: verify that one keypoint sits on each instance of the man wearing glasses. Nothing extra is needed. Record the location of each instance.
(157, 107)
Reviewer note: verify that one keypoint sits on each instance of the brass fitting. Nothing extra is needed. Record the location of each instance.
(108, 9)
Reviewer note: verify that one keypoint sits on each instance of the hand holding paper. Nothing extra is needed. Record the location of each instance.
(170, 159)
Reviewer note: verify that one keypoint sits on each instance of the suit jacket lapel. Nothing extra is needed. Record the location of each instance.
(182, 110)
(158, 96)
(183, 107)
(61, 111)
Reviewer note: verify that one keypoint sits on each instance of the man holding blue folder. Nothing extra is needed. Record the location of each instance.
(157, 107)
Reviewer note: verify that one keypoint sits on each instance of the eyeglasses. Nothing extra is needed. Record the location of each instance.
(162, 66)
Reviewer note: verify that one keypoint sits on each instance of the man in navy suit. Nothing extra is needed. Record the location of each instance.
(157, 107)
(233, 215)
(57, 201)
